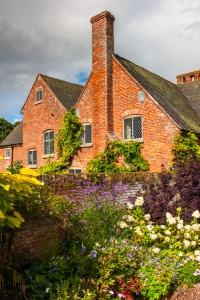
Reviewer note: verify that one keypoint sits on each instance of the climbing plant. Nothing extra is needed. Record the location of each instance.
(106, 162)
(186, 144)
(68, 143)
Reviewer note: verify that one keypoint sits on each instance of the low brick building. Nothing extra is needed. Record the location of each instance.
(120, 101)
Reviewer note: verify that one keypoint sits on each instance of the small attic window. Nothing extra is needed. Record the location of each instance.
(39, 95)
(141, 96)
(78, 112)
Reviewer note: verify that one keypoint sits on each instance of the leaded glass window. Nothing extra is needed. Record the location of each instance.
(86, 136)
(133, 128)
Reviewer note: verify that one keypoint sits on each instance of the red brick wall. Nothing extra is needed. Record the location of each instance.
(158, 129)
(110, 95)
(39, 117)
(17, 155)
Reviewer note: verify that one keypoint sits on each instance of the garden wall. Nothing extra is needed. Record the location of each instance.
(37, 236)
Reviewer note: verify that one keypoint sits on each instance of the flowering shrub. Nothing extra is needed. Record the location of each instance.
(115, 250)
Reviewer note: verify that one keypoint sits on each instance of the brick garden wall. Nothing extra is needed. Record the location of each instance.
(39, 235)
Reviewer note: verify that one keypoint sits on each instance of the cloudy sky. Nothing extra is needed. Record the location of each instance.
(53, 37)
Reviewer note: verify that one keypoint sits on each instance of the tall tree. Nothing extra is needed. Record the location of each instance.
(5, 128)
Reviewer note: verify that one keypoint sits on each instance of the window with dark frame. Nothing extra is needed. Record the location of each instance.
(86, 136)
(39, 95)
(32, 157)
(133, 128)
(48, 142)
(74, 171)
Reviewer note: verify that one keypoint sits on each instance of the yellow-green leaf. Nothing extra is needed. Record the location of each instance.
(15, 221)
(27, 171)
(16, 214)
(2, 215)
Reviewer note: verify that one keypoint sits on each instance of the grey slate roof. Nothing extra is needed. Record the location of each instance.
(191, 90)
(15, 137)
(66, 92)
(166, 94)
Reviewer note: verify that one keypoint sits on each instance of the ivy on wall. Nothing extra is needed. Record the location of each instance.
(68, 143)
(186, 144)
(106, 162)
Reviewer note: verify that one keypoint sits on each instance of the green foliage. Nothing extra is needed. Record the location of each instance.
(15, 168)
(107, 160)
(68, 143)
(5, 128)
(186, 144)
(14, 188)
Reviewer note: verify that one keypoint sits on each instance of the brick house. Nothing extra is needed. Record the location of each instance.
(120, 101)
(31, 140)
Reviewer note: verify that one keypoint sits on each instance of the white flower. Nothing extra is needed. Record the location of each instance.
(162, 226)
(138, 230)
(147, 217)
(167, 232)
(150, 227)
(180, 254)
(198, 258)
(129, 218)
(167, 239)
(111, 292)
(197, 252)
(153, 236)
(196, 214)
(187, 227)
(139, 201)
(191, 257)
(180, 221)
(186, 243)
(187, 235)
(195, 227)
(179, 226)
(129, 205)
(47, 290)
(193, 243)
(156, 250)
(168, 215)
(171, 221)
(197, 272)
(122, 224)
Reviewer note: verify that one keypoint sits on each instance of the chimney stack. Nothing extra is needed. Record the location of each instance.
(102, 51)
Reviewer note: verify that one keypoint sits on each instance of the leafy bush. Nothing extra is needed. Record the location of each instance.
(106, 162)
(175, 189)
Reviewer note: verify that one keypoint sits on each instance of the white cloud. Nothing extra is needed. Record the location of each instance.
(54, 38)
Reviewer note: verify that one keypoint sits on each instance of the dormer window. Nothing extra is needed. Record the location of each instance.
(39, 95)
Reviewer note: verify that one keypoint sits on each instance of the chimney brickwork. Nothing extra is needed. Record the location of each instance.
(188, 77)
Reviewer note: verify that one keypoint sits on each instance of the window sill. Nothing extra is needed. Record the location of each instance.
(86, 145)
(32, 166)
(7, 157)
(135, 140)
(38, 102)
(48, 156)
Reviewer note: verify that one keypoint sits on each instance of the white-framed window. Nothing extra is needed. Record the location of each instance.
(48, 142)
(32, 157)
(7, 153)
(132, 128)
(75, 171)
(39, 95)
(141, 96)
(86, 136)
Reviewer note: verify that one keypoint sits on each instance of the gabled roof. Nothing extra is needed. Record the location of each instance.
(15, 137)
(66, 92)
(166, 94)
(191, 90)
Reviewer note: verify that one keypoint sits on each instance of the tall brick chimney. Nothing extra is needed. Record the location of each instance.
(102, 50)
(188, 77)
